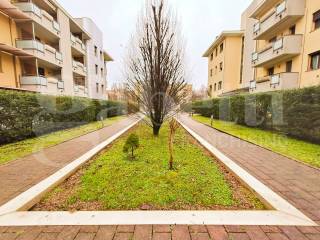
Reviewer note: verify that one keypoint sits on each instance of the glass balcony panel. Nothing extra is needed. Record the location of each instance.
(281, 8)
(275, 79)
(278, 44)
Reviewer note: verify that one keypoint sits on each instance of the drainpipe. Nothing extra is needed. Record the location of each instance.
(13, 56)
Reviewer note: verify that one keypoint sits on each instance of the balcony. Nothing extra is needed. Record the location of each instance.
(281, 50)
(80, 91)
(283, 16)
(34, 80)
(41, 51)
(40, 16)
(281, 81)
(78, 45)
(79, 68)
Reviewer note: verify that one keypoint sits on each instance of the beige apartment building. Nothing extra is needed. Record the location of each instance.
(225, 63)
(281, 46)
(42, 48)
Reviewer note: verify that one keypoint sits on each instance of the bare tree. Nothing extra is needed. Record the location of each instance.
(155, 67)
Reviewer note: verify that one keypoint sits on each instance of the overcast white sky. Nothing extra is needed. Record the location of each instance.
(202, 21)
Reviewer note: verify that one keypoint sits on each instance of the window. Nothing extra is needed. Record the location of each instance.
(216, 70)
(96, 51)
(271, 71)
(221, 47)
(316, 20)
(97, 69)
(101, 72)
(211, 57)
(220, 85)
(315, 61)
(210, 88)
(1, 70)
(102, 88)
(97, 87)
(211, 72)
(216, 51)
(101, 55)
(289, 66)
(41, 72)
(292, 30)
(215, 87)
(221, 66)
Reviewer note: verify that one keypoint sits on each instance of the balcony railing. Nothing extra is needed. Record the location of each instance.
(280, 81)
(80, 90)
(60, 85)
(77, 44)
(40, 16)
(280, 50)
(41, 50)
(283, 16)
(34, 80)
(79, 67)
(30, 45)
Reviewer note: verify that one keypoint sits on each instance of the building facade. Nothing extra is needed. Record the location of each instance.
(97, 59)
(42, 48)
(287, 45)
(225, 63)
(281, 47)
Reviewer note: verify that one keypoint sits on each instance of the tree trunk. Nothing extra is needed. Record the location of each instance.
(171, 151)
(156, 129)
(132, 154)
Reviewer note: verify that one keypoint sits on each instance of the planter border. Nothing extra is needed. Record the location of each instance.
(14, 213)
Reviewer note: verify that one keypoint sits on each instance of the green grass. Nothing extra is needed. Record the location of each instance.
(23, 148)
(116, 182)
(296, 149)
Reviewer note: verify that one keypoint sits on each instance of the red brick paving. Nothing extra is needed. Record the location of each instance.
(179, 232)
(40, 165)
(294, 181)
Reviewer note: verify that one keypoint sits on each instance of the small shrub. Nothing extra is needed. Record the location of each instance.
(131, 145)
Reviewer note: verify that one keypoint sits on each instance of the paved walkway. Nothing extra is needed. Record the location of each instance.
(160, 233)
(18, 176)
(296, 182)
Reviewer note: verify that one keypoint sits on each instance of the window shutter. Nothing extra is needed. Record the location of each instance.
(316, 16)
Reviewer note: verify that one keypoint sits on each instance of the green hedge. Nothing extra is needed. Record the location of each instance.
(24, 115)
(293, 112)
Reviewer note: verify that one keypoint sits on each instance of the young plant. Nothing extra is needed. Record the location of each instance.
(173, 125)
(131, 145)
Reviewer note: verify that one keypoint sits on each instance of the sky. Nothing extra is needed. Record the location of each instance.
(201, 20)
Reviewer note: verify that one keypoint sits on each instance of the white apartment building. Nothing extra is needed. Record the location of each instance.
(97, 59)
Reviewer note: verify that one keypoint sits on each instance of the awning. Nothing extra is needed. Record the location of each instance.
(12, 11)
(14, 51)
(107, 57)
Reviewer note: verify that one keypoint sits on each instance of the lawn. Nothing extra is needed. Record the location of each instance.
(112, 181)
(10, 152)
(296, 149)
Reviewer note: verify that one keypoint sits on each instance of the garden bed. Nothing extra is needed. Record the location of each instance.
(112, 181)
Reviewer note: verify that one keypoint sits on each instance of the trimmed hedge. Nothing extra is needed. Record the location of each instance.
(24, 115)
(295, 113)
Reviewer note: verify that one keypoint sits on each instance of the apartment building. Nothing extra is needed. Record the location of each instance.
(287, 45)
(225, 63)
(97, 59)
(42, 48)
(281, 47)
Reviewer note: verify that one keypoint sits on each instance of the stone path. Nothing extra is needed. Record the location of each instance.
(163, 232)
(18, 176)
(294, 181)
